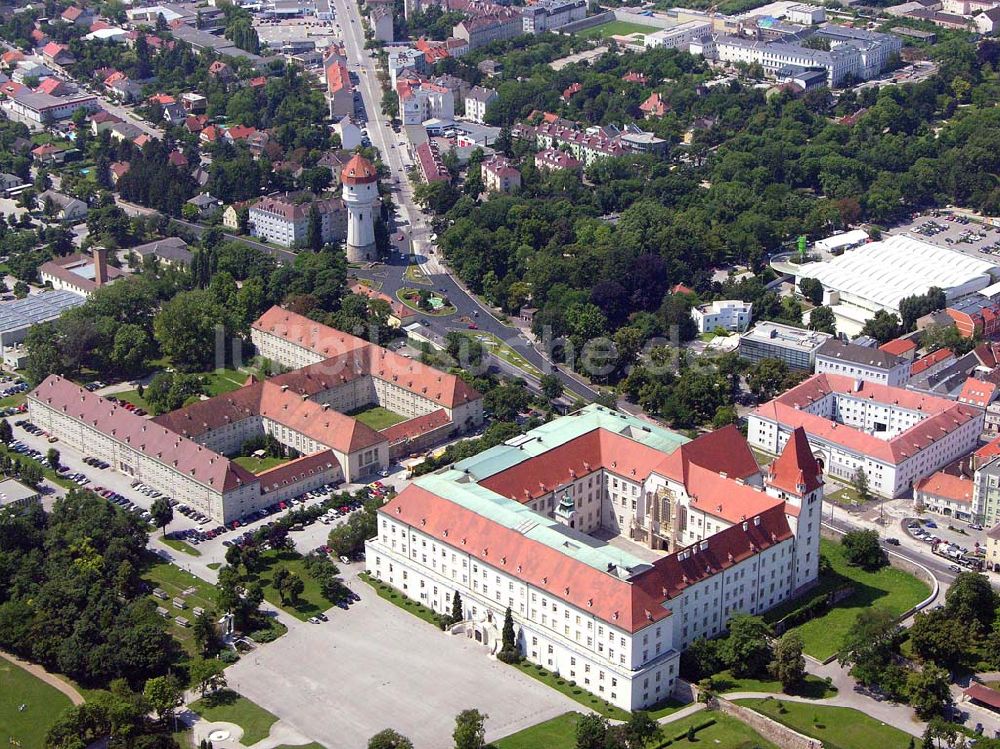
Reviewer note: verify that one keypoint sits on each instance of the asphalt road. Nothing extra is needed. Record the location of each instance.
(417, 223)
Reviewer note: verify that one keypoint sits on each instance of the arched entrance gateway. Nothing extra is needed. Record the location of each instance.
(482, 629)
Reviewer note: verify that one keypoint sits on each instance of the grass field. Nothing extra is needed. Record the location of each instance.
(836, 727)
(410, 297)
(182, 546)
(43, 704)
(173, 581)
(222, 381)
(259, 465)
(395, 597)
(310, 603)
(574, 692)
(616, 28)
(377, 417)
(133, 397)
(813, 686)
(414, 274)
(723, 733)
(502, 350)
(890, 588)
(228, 706)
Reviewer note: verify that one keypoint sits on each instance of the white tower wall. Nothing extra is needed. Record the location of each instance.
(360, 201)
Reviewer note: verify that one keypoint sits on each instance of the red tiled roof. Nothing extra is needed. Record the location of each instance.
(358, 171)
(72, 13)
(52, 49)
(153, 440)
(416, 427)
(296, 470)
(796, 470)
(399, 309)
(337, 77)
(941, 484)
(162, 99)
(977, 392)
(630, 604)
(942, 416)
(240, 132)
(120, 168)
(987, 452)
(898, 346)
(14, 55)
(654, 105)
(982, 693)
(445, 389)
(49, 86)
(926, 362)
(257, 82)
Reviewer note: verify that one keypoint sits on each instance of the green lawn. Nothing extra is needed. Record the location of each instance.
(616, 28)
(574, 692)
(173, 581)
(133, 397)
(230, 707)
(222, 381)
(410, 297)
(310, 603)
(502, 350)
(12, 401)
(182, 546)
(836, 727)
(712, 729)
(377, 417)
(43, 704)
(394, 596)
(813, 686)
(259, 465)
(890, 588)
(414, 274)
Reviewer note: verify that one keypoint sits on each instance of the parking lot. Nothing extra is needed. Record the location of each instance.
(956, 232)
(377, 666)
(135, 498)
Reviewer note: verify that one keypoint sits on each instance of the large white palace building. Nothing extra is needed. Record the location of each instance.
(697, 533)
(183, 453)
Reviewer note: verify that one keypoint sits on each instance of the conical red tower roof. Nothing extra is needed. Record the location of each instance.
(796, 470)
(358, 171)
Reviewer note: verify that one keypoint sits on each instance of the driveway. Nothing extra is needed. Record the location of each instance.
(376, 666)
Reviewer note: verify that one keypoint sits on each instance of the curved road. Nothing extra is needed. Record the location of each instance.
(391, 147)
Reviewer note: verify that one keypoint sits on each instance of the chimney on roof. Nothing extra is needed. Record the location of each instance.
(100, 265)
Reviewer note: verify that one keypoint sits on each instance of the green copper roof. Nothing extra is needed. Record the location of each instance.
(560, 431)
(459, 483)
(456, 487)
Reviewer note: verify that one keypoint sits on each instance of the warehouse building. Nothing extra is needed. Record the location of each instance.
(878, 275)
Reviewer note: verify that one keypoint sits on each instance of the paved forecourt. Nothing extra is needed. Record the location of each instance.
(377, 666)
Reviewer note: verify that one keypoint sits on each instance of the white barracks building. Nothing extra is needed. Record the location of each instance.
(183, 454)
(704, 536)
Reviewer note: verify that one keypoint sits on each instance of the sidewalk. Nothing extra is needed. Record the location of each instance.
(42, 675)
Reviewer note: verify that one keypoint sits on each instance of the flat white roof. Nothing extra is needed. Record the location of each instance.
(886, 272)
(855, 236)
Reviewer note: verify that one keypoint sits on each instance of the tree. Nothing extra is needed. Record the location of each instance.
(509, 652)
(767, 377)
(6, 432)
(928, 691)
(186, 330)
(389, 739)
(641, 730)
(883, 327)
(208, 674)
(294, 587)
(972, 601)
(862, 549)
(457, 612)
(162, 513)
(552, 387)
(591, 731)
(204, 634)
(860, 482)
(812, 290)
(314, 232)
(280, 582)
(823, 320)
(470, 731)
(787, 665)
(938, 638)
(163, 693)
(746, 650)
(52, 458)
(869, 644)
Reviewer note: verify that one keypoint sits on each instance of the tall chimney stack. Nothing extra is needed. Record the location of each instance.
(100, 265)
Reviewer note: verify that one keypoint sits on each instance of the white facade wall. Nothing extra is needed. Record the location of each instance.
(678, 36)
(731, 314)
(898, 376)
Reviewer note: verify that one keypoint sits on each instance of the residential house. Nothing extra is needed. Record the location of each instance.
(118, 169)
(654, 106)
(206, 204)
(170, 251)
(284, 219)
(476, 102)
(54, 53)
(553, 158)
(500, 175)
(102, 120)
(221, 72)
